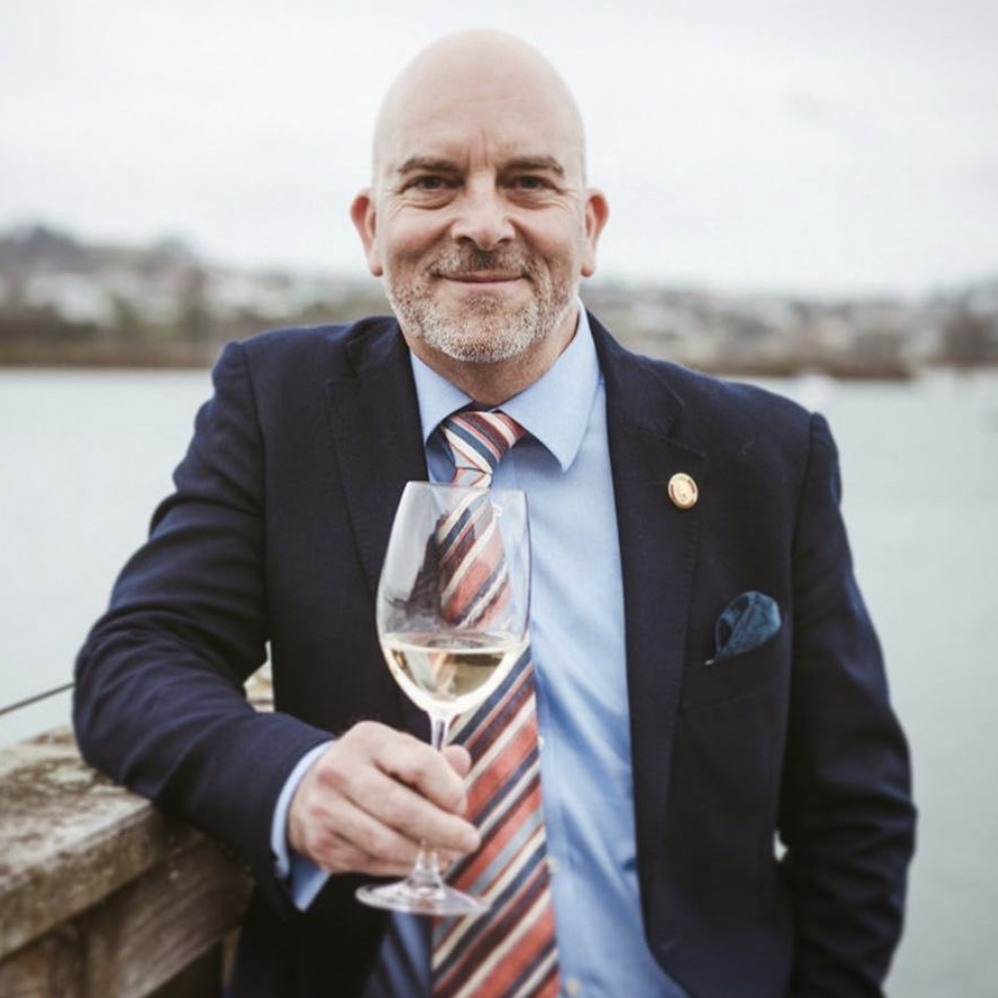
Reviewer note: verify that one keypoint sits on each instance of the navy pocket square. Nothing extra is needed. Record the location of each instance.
(748, 621)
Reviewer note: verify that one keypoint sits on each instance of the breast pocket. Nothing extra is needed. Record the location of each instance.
(733, 678)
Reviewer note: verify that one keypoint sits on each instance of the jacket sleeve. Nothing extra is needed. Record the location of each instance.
(159, 703)
(847, 820)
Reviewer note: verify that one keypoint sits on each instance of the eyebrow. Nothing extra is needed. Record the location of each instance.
(428, 164)
(538, 163)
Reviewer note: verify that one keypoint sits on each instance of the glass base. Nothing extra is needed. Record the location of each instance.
(421, 898)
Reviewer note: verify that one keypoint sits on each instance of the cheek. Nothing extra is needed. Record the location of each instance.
(565, 259)
(406, 239)
(562, 244)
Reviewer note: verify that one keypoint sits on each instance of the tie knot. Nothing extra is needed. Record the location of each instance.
(478, 441)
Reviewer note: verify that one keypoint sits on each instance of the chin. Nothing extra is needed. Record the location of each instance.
(490, 349)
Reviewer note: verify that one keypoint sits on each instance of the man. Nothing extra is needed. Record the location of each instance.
(706, 675)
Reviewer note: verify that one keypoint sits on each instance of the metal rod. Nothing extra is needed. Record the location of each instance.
(10, 708)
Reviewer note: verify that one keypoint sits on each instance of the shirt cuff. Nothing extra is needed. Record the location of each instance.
(303, 877)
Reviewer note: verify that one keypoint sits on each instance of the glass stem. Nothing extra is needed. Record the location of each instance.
(426, 873)
(438, 729)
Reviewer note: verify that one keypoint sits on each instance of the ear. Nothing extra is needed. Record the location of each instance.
(597, 212)
(363, 215)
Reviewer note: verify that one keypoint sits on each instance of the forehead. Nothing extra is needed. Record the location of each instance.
(492, 127)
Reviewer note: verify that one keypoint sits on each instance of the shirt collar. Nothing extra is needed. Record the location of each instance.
(554, 409)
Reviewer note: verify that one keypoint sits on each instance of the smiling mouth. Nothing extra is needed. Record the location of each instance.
(484, 277)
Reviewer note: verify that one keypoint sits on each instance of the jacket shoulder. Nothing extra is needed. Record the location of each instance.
(702, 408)
(746, 428)
(330, 345)
(718, 402)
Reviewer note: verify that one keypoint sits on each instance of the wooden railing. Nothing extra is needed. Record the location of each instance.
(101, 896)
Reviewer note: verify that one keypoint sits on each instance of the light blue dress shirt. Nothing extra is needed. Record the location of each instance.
(577, 640)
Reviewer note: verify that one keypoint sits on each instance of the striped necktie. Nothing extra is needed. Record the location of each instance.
(510, 950)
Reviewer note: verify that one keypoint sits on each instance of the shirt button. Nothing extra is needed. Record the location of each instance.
(553, 867)
(540, 743)
(573, 987)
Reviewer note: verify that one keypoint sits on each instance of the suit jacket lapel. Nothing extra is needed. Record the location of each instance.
(658, 543)
(376, 433)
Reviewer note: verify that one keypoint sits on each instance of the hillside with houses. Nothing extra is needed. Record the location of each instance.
(64, 301)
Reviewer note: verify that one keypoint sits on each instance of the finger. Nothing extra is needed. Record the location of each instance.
(339, 834)
(459, 759)
(423, 768)
(399, 755)
(405, 810)
(361, 843)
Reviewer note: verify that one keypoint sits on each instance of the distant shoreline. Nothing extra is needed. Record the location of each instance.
(201, 357)
(176, 356)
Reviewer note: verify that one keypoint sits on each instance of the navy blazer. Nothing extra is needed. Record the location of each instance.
(276, 532)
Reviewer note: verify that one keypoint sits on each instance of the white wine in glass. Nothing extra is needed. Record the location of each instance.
(453, 607)
(449, 673)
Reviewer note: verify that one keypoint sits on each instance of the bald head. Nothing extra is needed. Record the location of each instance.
(470, 77)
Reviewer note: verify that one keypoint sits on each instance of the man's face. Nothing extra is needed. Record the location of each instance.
(479, 219)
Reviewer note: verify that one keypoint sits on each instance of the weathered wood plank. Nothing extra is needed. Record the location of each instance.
(68, 837)
(100, 895)
(202, 979)
(139, 938)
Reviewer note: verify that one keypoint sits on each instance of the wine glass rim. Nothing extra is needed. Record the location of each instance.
(450, 486)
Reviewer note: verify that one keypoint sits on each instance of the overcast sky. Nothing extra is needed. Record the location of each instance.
(824, 146)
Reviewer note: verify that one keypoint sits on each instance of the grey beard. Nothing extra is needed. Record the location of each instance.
(490, 334)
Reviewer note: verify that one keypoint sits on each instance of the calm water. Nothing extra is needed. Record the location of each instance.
(84, 457)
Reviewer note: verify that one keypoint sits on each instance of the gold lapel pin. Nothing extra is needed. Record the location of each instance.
(683, 491)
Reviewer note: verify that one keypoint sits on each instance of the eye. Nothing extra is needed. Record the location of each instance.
(529, 182)
(429, 183)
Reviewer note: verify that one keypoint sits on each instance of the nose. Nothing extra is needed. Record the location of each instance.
(482, 216)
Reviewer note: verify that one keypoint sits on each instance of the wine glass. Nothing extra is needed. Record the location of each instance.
(452, 617)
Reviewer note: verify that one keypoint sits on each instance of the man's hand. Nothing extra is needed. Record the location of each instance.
(373, 796)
